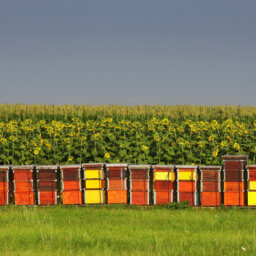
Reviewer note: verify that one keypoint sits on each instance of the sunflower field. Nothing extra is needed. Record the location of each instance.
(132, 134)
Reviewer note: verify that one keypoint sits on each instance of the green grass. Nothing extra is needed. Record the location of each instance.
(108, 230)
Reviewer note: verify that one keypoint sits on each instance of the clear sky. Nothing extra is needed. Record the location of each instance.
(128, 52)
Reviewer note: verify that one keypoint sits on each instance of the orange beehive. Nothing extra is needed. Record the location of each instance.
(234, 198)
(4, 185)
(47, 191)
(139, 184)
(234, 185)
(163, 184)
(210, 198)
(94, 183)
(210, 185)
(71, 184)
(187, 184)
(116, 183)
(24, 183)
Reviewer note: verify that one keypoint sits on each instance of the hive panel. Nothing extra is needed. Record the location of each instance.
(94, 196)
(117, 197)
(234, 198)
(191, 197)
(139, 197)
(210, 198)
(72, 197)
(252, 198)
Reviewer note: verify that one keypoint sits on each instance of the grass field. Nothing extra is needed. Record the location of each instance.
(108, 230)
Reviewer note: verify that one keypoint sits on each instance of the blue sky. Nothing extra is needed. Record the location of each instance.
(128, 52)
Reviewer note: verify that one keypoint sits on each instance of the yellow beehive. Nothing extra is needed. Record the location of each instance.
(187, 175)
(251, 197)
(252, 185)
(94, 174)
(94, 184)
(94, 196)
(164, 176)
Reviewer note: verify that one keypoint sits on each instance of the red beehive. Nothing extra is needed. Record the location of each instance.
(24, 184)
(234, 187)
(139, 184)
(47, 190)
(210, 185)
(71, 184)
(4, 185)
(116, 183)
(163, 186)
(251, 173)
(187, 184)
(231, 176)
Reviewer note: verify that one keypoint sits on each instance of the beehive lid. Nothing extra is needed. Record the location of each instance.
(70, 166)
(23, 167)
(235, 157)
(159, 166)
(210, 167)
(47, 167)
(92, 164)
(186, 166)
(4, 167)
(139, 166)
(251, 166)
(116, 165)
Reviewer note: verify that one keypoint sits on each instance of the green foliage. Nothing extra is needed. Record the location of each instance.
(133, 134)
(175, 205)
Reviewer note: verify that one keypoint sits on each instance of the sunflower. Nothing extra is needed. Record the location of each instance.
(237, 146)
(156, 138)
(36, 151)
(107, 155)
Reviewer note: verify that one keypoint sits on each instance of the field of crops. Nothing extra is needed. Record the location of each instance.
(126, 231)
(134, 134)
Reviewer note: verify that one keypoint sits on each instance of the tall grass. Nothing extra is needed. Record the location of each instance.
(110, 230)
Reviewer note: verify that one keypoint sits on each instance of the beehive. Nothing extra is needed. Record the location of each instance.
(47, 190)
(163, 184)
(234, 185)
(24, 184)
(4, 185)
(94, 183)
(116, 183)
(139, 184)
(71, 184)
(251, 181)
(210, 185)
(187, 184)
